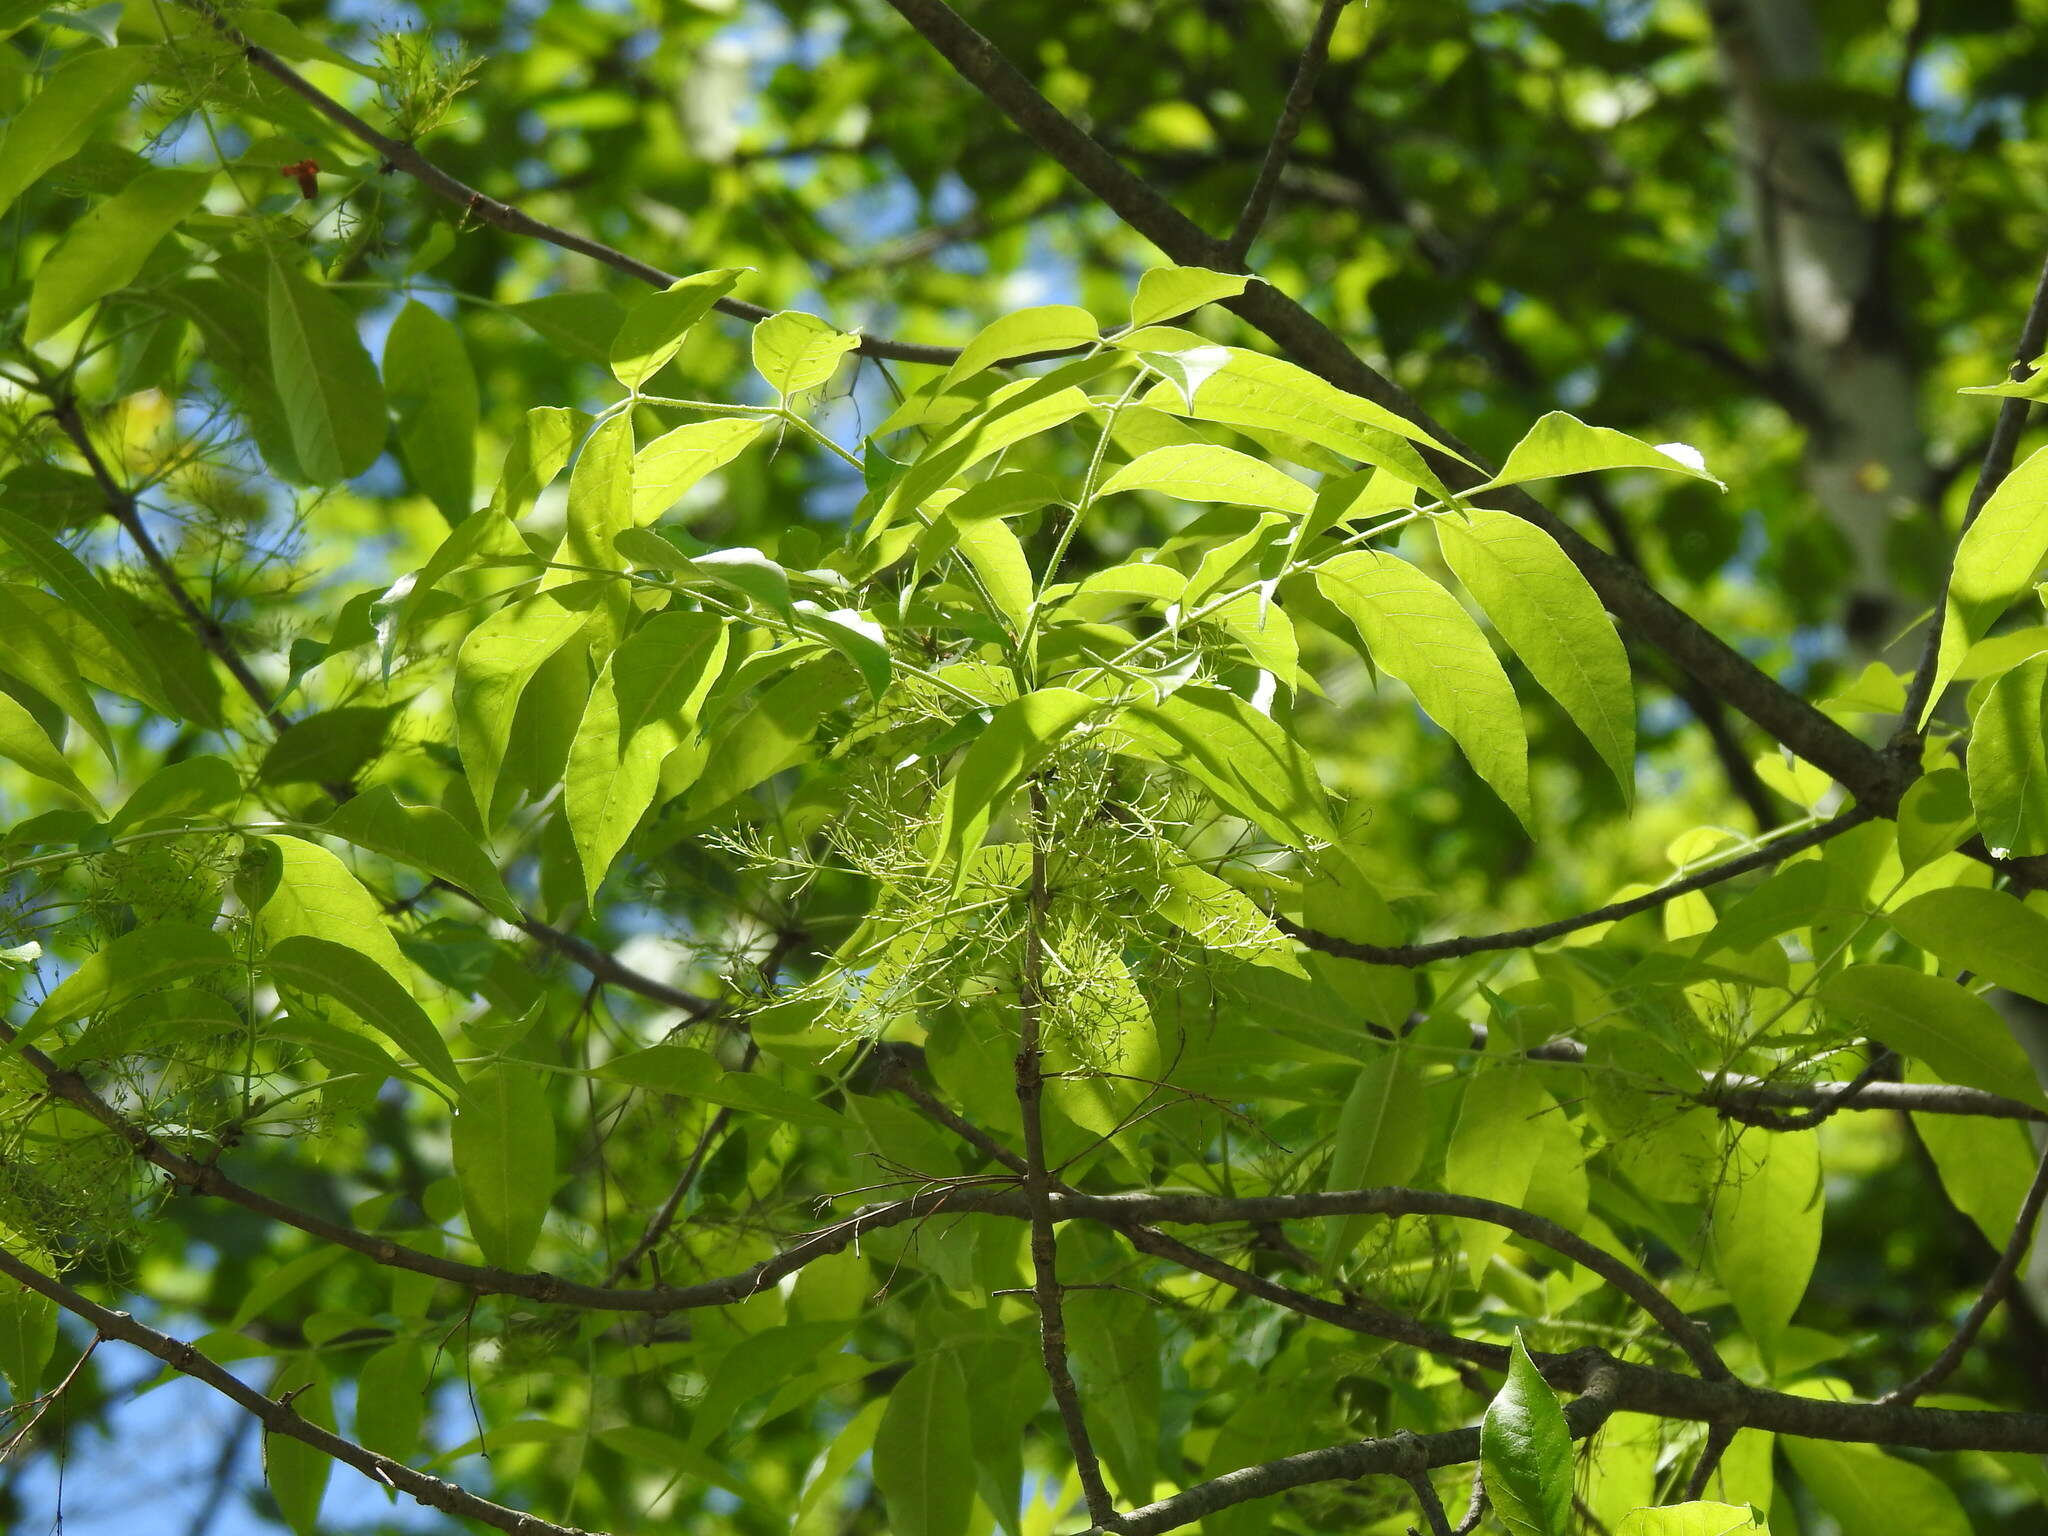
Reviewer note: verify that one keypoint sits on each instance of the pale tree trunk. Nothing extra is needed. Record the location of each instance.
(1819, 259)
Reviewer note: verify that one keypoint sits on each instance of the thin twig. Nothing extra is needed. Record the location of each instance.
(1998, 456)
(279, 1417)
(1037, 1186)
(1987, 1301)
(1772, 852)
(1260, 201)
(402, 156)
(122, 505)
(1719, 1438)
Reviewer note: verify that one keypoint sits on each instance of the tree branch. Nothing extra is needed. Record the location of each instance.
(1998, 456)
(1259, 202)
(1874, 779)
(1773, 852)
(1393, 1456)
(1994, 1292)
(121, 503)
(278, 1416)
(1037, 1184)
(401, 156)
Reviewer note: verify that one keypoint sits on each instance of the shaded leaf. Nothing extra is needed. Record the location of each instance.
(332, 399)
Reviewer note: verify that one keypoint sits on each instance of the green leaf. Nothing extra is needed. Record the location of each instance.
(644, 705)
(1699, 1518)
(924, 1454)
(325, 380)
(1018, 737)
(391, 1400)
(1219, 916)
(675, 461)
(332, 746)
(773, 733)
(33, 652)
(1985, 1165)
(297, 1472)
(997, 557)
(496, 662)
(1935, 817)
(1382, 1134)
(317, 896)
(816, 1508)
(1017, 412)
(600, 494)
(141, 960)
(106, 248)
(1872, 1494)
(1415, 630)
(1933, 1020)
(1005, 495)
(1254, 768)
(194, 788)
(743, 570)
(1249, 389)
(1167, 293)
(654, 329)
(1549, 617)
(55, 124)
(425, 838)
(687, 1072)
(1992, 933)
(1028, 332)
(1561, 444)
(855, 635)
(1115, 1340)
(82, 596)
(23, 741)
(1995, 560)
(1525, 1451)
(2008, 761)
(433, 389)
(581, 324)
(541, 448)
(795, 352)
(322, 968)
(28, 1337)
(1205, 472)
(504, 1148)
(1765, 1229)
(1494, 1149)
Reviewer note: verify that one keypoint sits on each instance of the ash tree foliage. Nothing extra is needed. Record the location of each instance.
(635, 900)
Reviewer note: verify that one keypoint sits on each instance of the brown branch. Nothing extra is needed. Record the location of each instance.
(478, 1279)
(1994, 1292)
(1397, 1201)
(277, 1415)
(1872, 778)
(1998, 456)
(401, 156)
(1259, 203)
(1406, 1456)
(121, 503)
(1770, 853)
(1037, 1184)
(1912, 1098)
